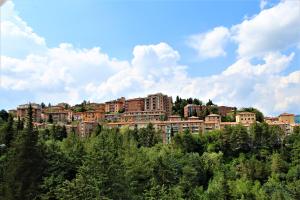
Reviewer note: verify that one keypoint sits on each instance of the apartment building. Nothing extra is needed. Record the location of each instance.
(158, 102)
(271, 119)
(135, 105)
(85, 128)
(213, 118)
(174, 118)
(297, 119)
(58, 113)
(225, 110)
(22, 111)
(190, 109)
(90, 116)
(287, 118)
(115, 105)
(245, 117)
(146, 116)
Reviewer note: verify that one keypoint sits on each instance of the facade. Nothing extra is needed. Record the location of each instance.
(285, 127)
(190, 109)
(85, 128)
(271, 119)
(158, 102)
(287, 118)
(36, 111)
(213, 118)
(90, 116)
(297, 119)
(135, 105)
(115, 105)
(77, 116)
(224, 110)
(113, 117)
(245, 117)
(58, 113)
(147, 116)
(174, 118)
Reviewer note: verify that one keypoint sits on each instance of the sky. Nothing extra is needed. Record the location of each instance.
(236, 52)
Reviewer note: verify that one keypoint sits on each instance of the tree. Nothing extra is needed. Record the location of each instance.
(50, 119)
(25, 165)
(43, 105)
(7, 132)
(210, 103)
(4, 115)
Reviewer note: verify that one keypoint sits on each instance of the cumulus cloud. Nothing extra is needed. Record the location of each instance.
(17, 37)
(210, 44)
(67, 73)
(273, 29)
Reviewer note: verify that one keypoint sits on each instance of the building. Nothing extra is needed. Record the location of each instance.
(285, 127)
(135, 105)
(167, 128)
(92, 116)
(58, 114)
(213, 118)
(297, 119)
(245, 117)
(22, 111)
(77, 116)
(158, 102)
(86, 128)
(113, 117)
(287, 118)
(174, 118)
(225, 110)
(13, 113)
(192, 110)
(115, 105)
(271, 119)
(143, 116)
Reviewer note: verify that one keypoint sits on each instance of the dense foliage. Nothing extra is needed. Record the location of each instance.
(235, 163)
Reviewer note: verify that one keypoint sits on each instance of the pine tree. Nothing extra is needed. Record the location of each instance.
(24, 167)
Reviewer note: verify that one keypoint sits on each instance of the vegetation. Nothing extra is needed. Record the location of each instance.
(234, 163)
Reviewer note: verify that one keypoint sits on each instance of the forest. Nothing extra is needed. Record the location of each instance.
(234, 163)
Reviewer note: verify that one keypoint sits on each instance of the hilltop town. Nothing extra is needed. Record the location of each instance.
(158, 109)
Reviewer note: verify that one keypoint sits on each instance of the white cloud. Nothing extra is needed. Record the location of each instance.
(210, 44)
(273, 29)
(263, 4)
(67, 73)
(17, 37)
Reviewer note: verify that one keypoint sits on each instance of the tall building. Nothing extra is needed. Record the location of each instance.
(158, 102)
(22, 111)
(115, 105)
(134, 105)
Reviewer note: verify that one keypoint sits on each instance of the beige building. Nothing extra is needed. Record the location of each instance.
(22, 111)
(287, 118)
(213, 118)
(158, 102)
(245, 117)
(143, 116)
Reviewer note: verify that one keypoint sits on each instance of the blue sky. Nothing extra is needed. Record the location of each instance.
(241, 53)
